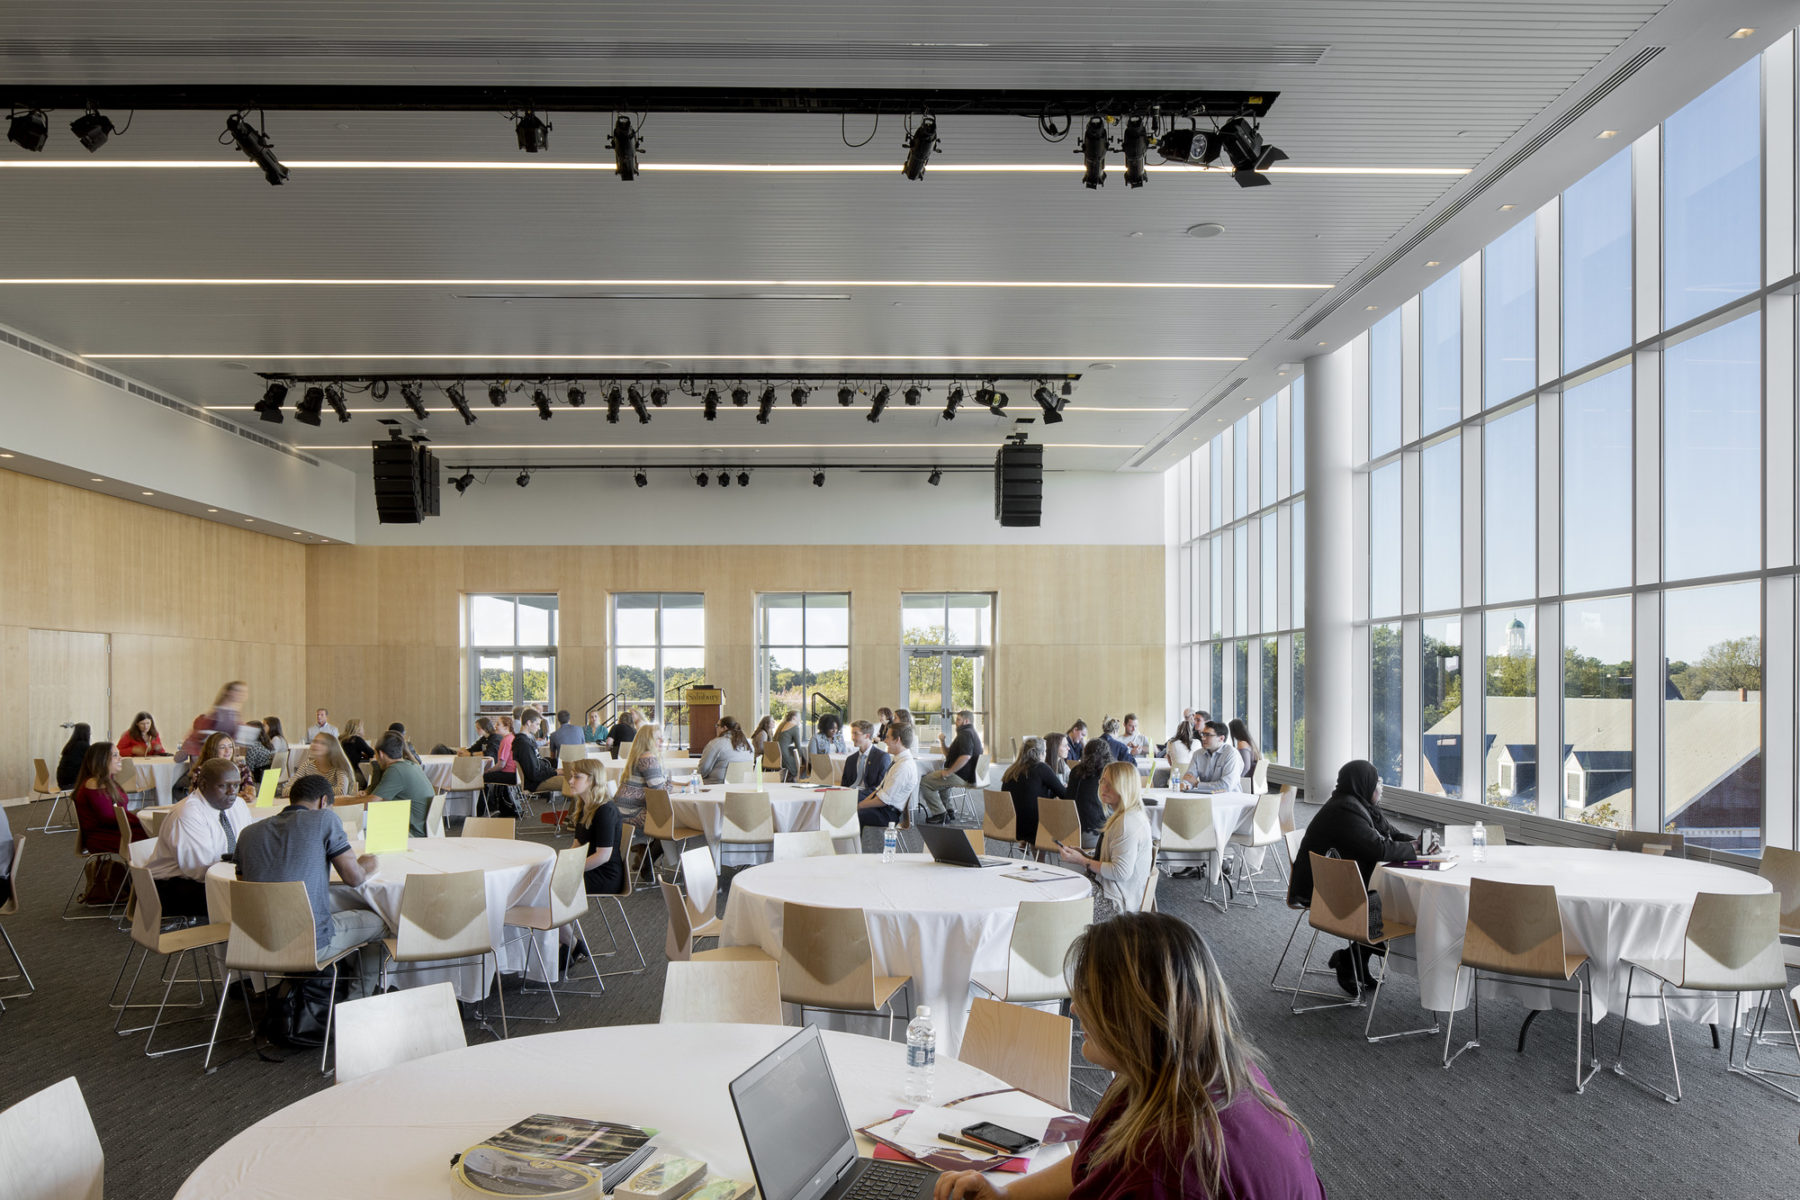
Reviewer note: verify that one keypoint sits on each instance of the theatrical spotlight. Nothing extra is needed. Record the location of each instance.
(91, 130)
(1093, 153)
(936, 477)
(740, 396)
(255, 145)
(953, 402)
(911, 395)
(640, 478)
(1195, 147)
(615, 399)
(984, 396)
(701, 479)
(414, 395)
(1050, 402)
(846, 395)
(743, 479)
(378, 390)
(709, 406)
(998, 404)
(919, 147)
(1249, 156)
(269, 407)
(879, 404)
(533, 131)
(1136, 144)
(576, 396)
(765, 404)
(625, 144)
(798, 396)
(497, 394)
(818, 479)
(724, 478)
(29, 130)
(463, 482)
(634, 396)
(541, 398)
(659, 396)
(311, 407)
(524, 479)
(460, 402)
(334, 397)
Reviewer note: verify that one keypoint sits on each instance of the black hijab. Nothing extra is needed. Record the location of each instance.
(69, 765)
(1358, 778)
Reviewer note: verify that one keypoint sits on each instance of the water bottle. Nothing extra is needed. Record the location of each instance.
(921, 1056)
(890, 841)
(1478, 843)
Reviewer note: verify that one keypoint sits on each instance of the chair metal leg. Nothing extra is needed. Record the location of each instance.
(30, 987)
(532, 951)
(50, 825)
(1376, 1002)
(70, 901)
(1583, 1001)
(206, 1066)
(636, 949)
(330, 1014)
(1298, 991)
(1625, 1023)
(1766, 1075)
(1450, 1025)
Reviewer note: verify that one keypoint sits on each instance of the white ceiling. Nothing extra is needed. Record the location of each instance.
(1401, 83)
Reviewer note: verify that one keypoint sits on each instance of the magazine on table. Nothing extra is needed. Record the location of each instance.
(551, 1156)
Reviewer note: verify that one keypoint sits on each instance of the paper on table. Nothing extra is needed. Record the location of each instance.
(1036, 874)
(265, 790)
(385, 826)
(928, 1121)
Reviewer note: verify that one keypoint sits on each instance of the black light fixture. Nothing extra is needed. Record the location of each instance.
(311, 407)
(1093, 153)
(463, 482)
(524, 479)
(743, 478)
(29, 130)
(879, 404)
(709, 406)
(765, 404)
(1136, 144)
(953, 402)
(846, 395)
(576, 396)
(334, 396)
(625, 144)
(740, 396)
(91, 129)
(911, 395)
(702, 479)
(1195, 147)
(984, 396)
(1050, 402)
(936, 477)
(269, 407)
(640, 478)
(533, 131)
(919, 147)
(541, 398)
(724, 478)
(460, 402)
(414, 395)
(818, 479)
(659, 396)
(497, 394)
(634, 396)
(255, 145)
(378, 390)
(998, 404)
(1249, 156)
(615, 400)
(799, 395)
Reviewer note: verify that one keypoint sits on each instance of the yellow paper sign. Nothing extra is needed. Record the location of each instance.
(265, 791)
(384, 826)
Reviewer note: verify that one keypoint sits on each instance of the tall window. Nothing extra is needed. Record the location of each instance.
(946, 646)
(1597, 767)
(1440, 353)
(1384, 386)
(1712, 197)
(1596, 251)
(1712, 452)
(803, 655)
(1712, 715)
(1440, 525)
(512, 653)
(1597, 483)
(1509, 313)
(1385, 701)
(1384, 541)
(1510, 512)
(659, 651)
(1441, 708)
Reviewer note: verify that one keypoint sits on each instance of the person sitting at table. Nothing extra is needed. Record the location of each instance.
(584, 789)
(1121, 861)
(886, 718)
(643, 769)
(597, 826)
(594, 732)
(74, 753)
(1027, 781)
(324, 758)
(729, 746)
(399, 727)
(958, 771)
(1189, 1111)
(1180, 750)
(1138, 744)
(898, 791)
(224, 746)
(402, 780)
(532, 769)
(484, 744)
(272, 737)
(1351, 824)
(6, 857)
(99, 799)
(787, 740)
(1109, 733)
(1084, 786)
(1077, 735)
(252, 755)
(1239, 734)
(567, 733)
(759, 737)
(828, 737)
(221, 718)
(141, 740)
(1216, 766)
(1056, 755)
(868, 765)
(624, 731)
(202, 830)
(304, 843)
(357, 749)
(321, 724)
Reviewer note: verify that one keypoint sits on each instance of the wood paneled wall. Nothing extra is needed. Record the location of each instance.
(188, 604)
(1079, 630)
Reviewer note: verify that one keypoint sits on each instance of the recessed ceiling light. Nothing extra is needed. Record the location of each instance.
(1741, 33)
(1100, 366)
(1321, 343)
(249, 520)
(1205, 229)
(95, 479)
(297, 533)
(1507, 207)
(149, 493)
(4, 454)
(1136, 233)
(1604, 134)
(1433, 263)
(212, 510)
(1368, 308)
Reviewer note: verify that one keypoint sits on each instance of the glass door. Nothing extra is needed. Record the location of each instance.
(939, 683)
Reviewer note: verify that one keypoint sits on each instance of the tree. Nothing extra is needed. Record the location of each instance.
(1725, 667)
(1589, 678)
(1605, 814)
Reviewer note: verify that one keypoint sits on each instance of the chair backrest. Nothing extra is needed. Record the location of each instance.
(465, 773)
(837, 812)
(383, 1031)
(821, 768)
(1188, 823)
(826, 959)
(733, 993)
(353, 817)
(272, 928)
(568, 754)
(132, 780)
(813, 843)
(659, 814)
(442, 916)
(48, 1147)
(1464, 835)
(1733, 943)
(146, 907)
(1637, 841)
(773, 775)
(977, 841)
(122, 817)
(1515, 929)
(1288, 796)
(568, 885)
(747, 817)
(434, 816)
(1024, 1047)
(504, 828)
(1265, 824)
(741, 772)
(1057, 822)
(1782, 869)
(1149, 904)
(679, 946)
(1042, 933)
(702, 877)
(1259, 776)
(12, 902)
(1340, 904)
(999, 820)
(41, 781)
(771, 756)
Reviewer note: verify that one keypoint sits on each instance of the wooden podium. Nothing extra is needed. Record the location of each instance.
(705, 703)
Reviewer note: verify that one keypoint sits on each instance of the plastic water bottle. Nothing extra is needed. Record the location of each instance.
(921, 1056)
(890, 841)
(1478, 843)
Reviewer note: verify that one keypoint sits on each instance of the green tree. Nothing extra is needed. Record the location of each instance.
(1725, 667)
(1605, 814)
(926, 674)
(1588, 678)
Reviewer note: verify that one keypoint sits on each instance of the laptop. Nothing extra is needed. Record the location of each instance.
(950, 846)
(800, 1143)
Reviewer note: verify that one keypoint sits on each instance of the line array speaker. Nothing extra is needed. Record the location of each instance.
(1019, 485)
(406, 482)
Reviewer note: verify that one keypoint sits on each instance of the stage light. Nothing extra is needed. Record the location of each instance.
(724, 478)
(984, 396)
(541, 398)
(378, 390)
(701, 479)
(497, 394)
(625, 144)
(462, 482)
(709, 406)
(1050, 402)
(1249, 156)
(615, 399)
(269, 407)
(533, 131)
(91, 130)
(524, 479)
(798, 396)
(1193, 147)
(1093, 153)
(255, 145)
(953, 402)
(846, 395)
(1136, 144)
(311, 407)
(640, 478)
(911, 396)
(919, 147)
(998, 404)
(936, 477)
(743, 479)
(414, 396)
(634, 396)
(334, 396)
(29, 130)
(460, 402)
(576, 396)
(659, 396)
(879, 404)
(818, 479)
(765, 404)
(740, 396)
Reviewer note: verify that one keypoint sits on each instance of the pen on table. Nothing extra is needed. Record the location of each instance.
(956, 1141)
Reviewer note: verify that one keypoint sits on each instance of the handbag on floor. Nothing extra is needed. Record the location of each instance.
(104, 882)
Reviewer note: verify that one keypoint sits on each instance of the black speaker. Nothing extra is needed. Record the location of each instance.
(406, 482)
(1019, 485)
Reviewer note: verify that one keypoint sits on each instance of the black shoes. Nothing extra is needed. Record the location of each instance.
(1345, 965)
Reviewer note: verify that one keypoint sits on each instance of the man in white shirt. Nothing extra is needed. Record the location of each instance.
(321, 724)
(899, 790)
(202, 830)
(1216, 765)
(1140, 745)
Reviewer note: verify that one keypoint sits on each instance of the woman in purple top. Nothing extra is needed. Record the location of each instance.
(1189, 1113)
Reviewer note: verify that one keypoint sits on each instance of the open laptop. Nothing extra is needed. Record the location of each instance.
(950, 845)
(800, 1143)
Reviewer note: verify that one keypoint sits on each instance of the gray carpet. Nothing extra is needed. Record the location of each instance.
(1386, 1120)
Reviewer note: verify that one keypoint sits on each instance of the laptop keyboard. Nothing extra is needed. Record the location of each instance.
(891, 1181)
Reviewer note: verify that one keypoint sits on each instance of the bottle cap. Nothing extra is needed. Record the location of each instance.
(924, 1010)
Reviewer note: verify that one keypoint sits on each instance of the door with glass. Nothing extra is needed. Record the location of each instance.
(939, 683)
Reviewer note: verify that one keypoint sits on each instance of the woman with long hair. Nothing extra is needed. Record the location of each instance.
(254, 753)
(1180, 750)
(1246, 746)
(623, 732)
(881, 727)
(325, 758)
(1056, 755)
(223, 745)
(141, 740)
(828, 737)
(74, 753)
(728, 746)
(584, 789)
(1027, 781)
(1121, 861)
(1189, 1111)
(643, 769)
(272, 736)
(99, 800)
(221, 718)
(1084, 786)
(787, 738)
(759, 737)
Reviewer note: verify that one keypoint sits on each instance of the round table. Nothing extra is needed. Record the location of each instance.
(164, 770)
(391, 1133)
(517, 873)
(939, 924)
(795, 806)
(1614, 906)
(1231, 813)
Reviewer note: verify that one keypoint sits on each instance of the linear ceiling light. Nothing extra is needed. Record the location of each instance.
(342, 281)
(705, 168)
(986, 444)
(835, 358)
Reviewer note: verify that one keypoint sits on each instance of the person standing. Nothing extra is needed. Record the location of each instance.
(223, 717)
(958, 771)
(201, 831)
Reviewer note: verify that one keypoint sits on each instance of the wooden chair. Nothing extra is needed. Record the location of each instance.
(1043, 931)
(1025, 1047)
(135, 780)
(1057, 822)
(467, 779)
(1265, 831)
(1189, 837)
(684, 932)
(85, 855)
(1464, 835)
(725, 991)
(568, 901)
(820, 765)
(977, 841)
(1288, 796)
(1516, 930)
(272, 933)
(811, 843)
(434, 816)
(660, 824)
(49, 1149)
(444, 919)
(837, 818)
(1340, 907)
(741, 772)
(747, 825)
(11, 909)
(1290, 844)
(1636, 841)
(43, 787)
(999, 821)
(147, 936)
(1148, 904)
(378, 1032)
(771, 756)
(626, 888)
(500, 828)
(828, 964)
(1259, 776)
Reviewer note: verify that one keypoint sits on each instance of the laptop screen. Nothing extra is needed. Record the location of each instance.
(793, 1121)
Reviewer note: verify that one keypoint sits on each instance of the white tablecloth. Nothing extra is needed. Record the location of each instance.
(1232, 813)
(795, 807)
(928, 760)
(936, 923)
(1614, 905)
(166, 771)
(518, 874)
(437, 769)
(391, 1134)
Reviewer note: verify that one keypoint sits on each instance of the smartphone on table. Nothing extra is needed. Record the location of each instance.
(1007, 1141)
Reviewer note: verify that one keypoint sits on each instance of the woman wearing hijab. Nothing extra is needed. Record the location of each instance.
(73, 752)
(1351, 825)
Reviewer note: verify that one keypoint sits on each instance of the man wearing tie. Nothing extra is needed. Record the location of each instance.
(201, 831)
(865, 769)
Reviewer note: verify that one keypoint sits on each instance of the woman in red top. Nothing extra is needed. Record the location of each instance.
(99, 799)
(1189, 1113)
(141, 740)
